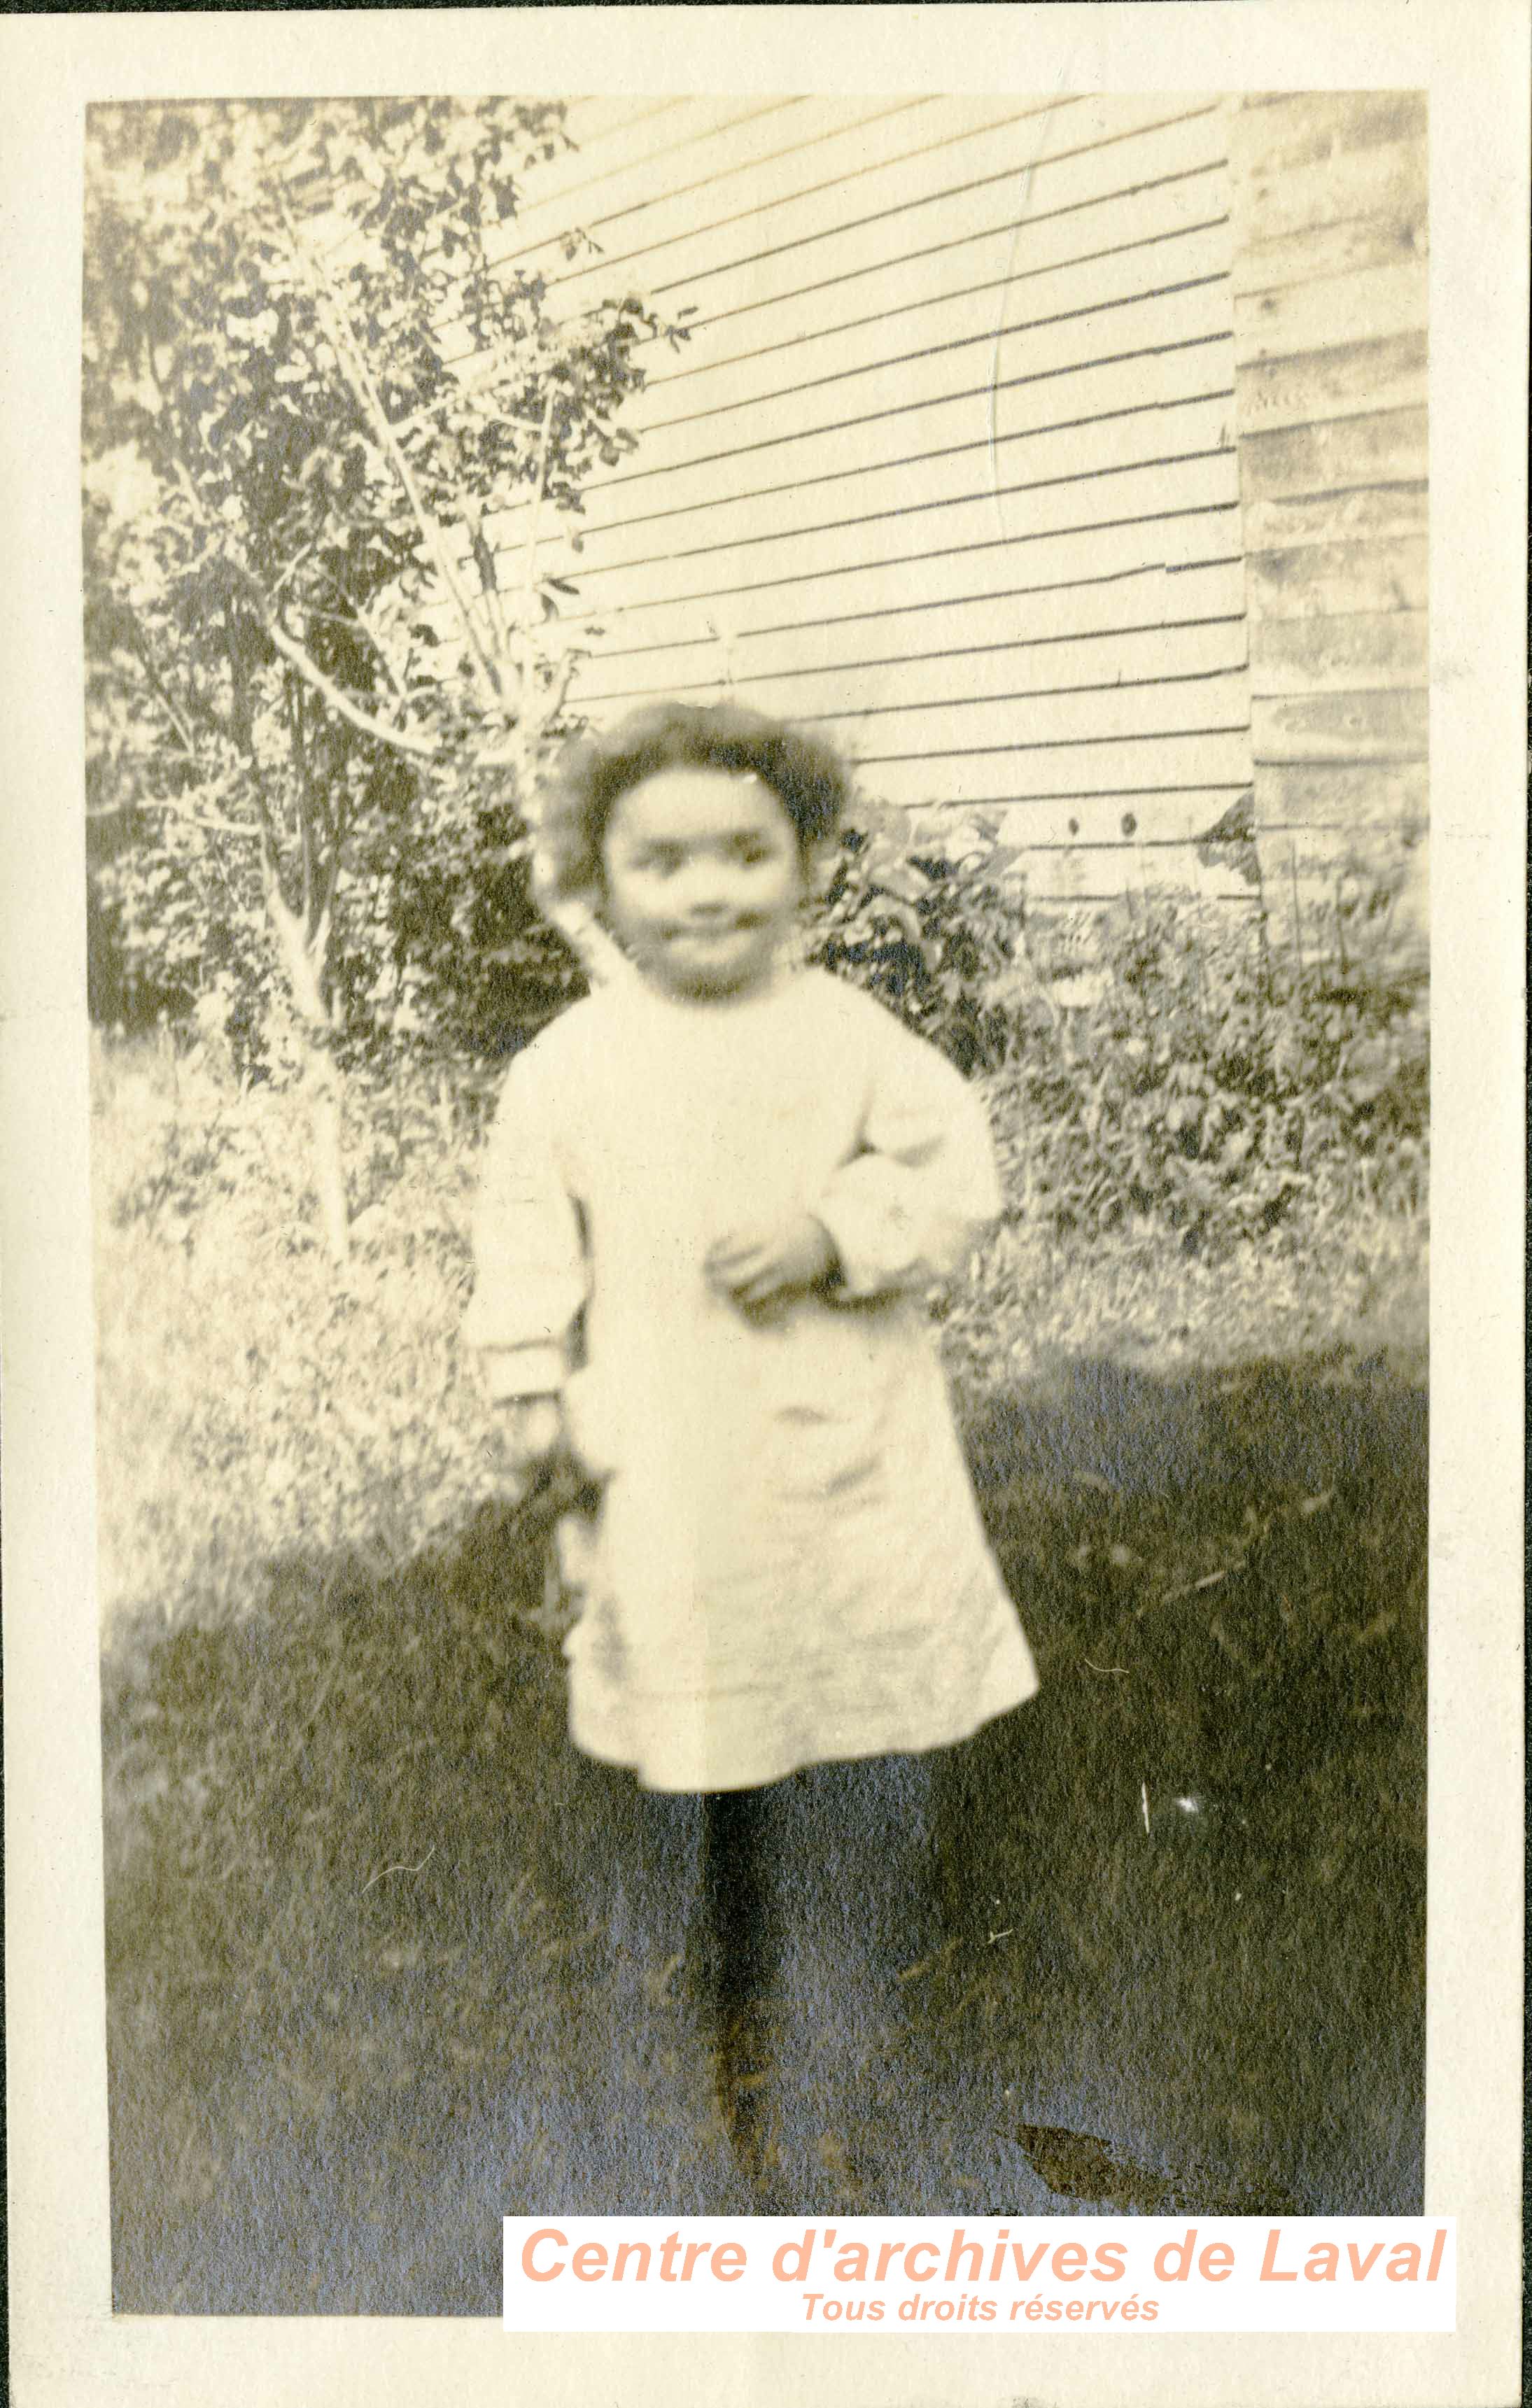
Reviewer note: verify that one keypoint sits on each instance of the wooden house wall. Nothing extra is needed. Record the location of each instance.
(947, 466)
(1329, 194)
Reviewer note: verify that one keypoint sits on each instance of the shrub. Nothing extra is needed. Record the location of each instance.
(1200, 1074)
(926, 911)
(438, 948)
(1212, 1086)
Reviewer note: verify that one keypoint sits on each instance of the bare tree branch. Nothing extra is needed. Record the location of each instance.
(483, 553)
(161, 692)
(482, 372)
(530, 725)
(353, 366)
(561, 691)
(250, 829)
(293, 566)
(360, 618)
(422, 748)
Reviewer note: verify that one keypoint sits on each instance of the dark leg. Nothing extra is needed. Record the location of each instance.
(740, 1963)
(985, 1794)
(859, 1847)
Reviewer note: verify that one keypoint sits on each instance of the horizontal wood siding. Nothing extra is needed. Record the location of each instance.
(947, 467)
(1328, 197)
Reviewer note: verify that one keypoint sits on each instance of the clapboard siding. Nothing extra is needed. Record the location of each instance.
(1383, 448)
(1368, 511)
(1385, 238)
(1155, 549)
(602, 123)
(976, 521)
(1085, 716)
(1111, 242)
(1341, 797)
(1177, 176)
(1164, 764)
(1143, 578)
(1018, 623)
(1372, 303)
(1002, 359)
(1334, 381)
(1105, 662)
(1100, 453)
(1306, 133)
(736, 164)
(1074, 402)
(1328, 197)
(947, 465)
(1371, 724)
(900, 172)
(1054, 321)
(1070, 213)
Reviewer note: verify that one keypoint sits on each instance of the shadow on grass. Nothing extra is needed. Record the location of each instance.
(388, 1960)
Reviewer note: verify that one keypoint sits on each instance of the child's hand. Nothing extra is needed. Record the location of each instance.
(527, 1430)
(755, 1265)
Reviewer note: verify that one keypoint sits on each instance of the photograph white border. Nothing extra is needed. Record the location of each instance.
(65, 2346)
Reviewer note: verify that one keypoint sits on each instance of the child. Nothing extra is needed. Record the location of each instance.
(712, 1199)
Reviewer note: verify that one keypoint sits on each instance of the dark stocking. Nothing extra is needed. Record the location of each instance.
(741, 1962)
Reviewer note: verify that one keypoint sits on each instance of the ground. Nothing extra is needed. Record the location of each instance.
(386, 1963)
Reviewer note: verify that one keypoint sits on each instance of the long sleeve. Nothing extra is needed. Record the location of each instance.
(912, 1205)
(531, 1276)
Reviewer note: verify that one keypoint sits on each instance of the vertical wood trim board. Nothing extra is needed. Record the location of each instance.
(1328, 195)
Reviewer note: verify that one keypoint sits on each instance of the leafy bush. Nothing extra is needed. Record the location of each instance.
(926, 911)
(1199, 1075)
(444, 951)
(1206, 1077)
(437, 946)
(1213, 1085)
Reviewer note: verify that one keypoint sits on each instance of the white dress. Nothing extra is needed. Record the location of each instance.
(787, 1565)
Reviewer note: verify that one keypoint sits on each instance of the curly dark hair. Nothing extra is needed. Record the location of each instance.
(807, 778)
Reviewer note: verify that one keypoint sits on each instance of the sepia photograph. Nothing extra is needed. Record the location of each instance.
(756, 788)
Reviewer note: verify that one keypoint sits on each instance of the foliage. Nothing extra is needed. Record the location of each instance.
(925, 910)
(297, 633)
(1200, 1074)
(447, 955)
(1212, 1085)
(245, 1404)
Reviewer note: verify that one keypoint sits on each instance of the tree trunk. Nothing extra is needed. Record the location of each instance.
(302, 958)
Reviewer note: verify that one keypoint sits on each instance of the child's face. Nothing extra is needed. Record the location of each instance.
(703, 879)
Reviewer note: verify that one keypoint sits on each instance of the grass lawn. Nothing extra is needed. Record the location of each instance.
(386, 1960)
